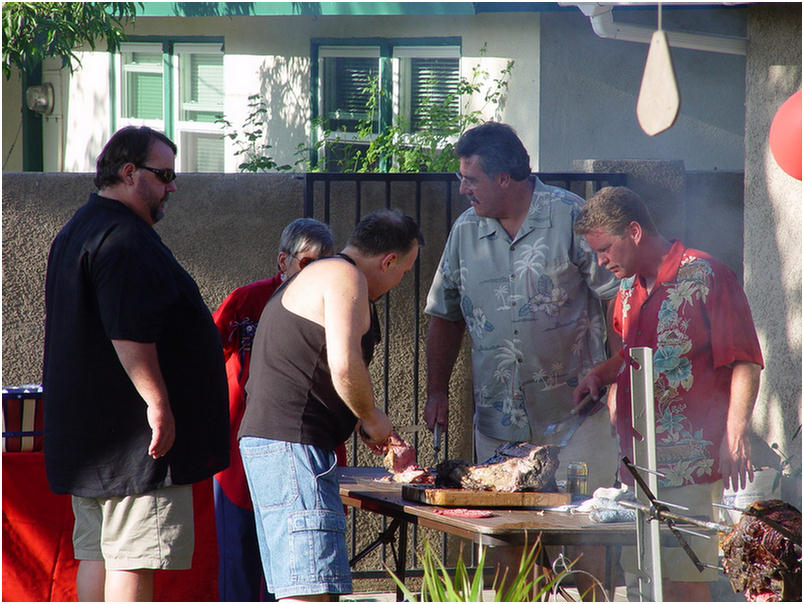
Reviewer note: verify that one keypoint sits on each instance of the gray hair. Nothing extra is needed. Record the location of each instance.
(307, 234)
(499, 149)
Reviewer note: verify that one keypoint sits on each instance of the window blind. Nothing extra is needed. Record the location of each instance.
(143, 94)
(202, 94)
(432, 82)
(346, 96)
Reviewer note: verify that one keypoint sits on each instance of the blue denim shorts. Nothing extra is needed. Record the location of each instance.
(301, 527)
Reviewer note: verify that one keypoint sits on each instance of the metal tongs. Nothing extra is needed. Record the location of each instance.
(573, 420)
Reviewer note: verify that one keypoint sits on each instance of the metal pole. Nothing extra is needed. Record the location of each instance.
(643, 418)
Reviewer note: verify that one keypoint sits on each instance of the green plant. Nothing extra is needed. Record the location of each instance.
(438, 586)
(34, 31)
(250, 140)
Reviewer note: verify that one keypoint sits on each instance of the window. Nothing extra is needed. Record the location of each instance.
(188, 79)
(347, 82)
(410, 80)
(428, 77)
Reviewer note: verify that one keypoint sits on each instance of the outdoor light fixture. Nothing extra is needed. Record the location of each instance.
(40, 98)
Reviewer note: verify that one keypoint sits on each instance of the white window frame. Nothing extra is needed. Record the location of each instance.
(186, 153)
(122, 70)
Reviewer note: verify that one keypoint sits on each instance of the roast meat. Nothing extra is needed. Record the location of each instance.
(400, 461)
(760, 561)
(517, 466)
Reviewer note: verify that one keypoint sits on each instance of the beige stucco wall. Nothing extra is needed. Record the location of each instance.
(773, 245)
(224, 229)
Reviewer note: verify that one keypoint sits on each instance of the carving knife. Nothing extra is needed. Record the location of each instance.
(436, 442)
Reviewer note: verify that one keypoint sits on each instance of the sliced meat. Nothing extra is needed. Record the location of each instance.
(399, 456)
(400, 461)
(463, 513)
(413, 476)
(518, 466)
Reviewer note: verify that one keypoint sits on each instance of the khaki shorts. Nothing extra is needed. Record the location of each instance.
(150, 530)
(676, 565)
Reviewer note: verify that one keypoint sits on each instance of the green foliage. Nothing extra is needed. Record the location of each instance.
(438, 586)
(250, 140)
(431, 147)
(35, 31)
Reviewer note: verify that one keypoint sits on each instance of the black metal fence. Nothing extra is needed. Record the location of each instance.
(433, 200)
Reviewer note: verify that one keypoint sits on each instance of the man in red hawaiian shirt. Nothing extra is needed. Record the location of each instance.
(240, 570)
(691, 310)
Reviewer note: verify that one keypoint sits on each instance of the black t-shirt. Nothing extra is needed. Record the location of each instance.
(290, 392)
(110, 277)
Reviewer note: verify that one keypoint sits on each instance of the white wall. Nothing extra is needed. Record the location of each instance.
(12, 123)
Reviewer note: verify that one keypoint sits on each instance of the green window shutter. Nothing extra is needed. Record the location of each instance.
(202, 95)
(345, 96)
(143, 82)
(433, 90)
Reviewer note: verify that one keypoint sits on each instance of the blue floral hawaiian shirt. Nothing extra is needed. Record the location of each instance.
(533, 309)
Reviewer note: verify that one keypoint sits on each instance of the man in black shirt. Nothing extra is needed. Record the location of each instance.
(135, 393)
(308, 388)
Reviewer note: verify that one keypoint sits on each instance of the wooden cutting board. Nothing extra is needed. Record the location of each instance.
(466, 498)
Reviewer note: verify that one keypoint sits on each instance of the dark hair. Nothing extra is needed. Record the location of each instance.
(611, 210)
(307, 234)
(385, 231)
(129, 144)
(499, 149)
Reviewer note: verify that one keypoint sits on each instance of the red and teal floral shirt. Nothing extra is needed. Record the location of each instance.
(698, 323)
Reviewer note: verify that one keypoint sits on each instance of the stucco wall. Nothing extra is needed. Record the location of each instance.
(773, 228)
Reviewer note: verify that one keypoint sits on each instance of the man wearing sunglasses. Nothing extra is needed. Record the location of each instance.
(134, 382)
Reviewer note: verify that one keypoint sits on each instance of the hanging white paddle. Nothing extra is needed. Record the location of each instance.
(659, 101)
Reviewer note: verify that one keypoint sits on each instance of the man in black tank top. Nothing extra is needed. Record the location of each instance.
(308, 388)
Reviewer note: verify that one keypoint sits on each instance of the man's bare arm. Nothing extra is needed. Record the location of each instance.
(346, 319)
(735, 450)
(443, 345)
(141, 362)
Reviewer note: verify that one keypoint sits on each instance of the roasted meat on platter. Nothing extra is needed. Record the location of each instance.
(760, 561)
(516, 466)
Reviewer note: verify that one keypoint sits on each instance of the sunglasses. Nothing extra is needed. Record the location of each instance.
(166, 175)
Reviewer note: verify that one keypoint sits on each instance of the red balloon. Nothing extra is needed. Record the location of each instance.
(785, 136)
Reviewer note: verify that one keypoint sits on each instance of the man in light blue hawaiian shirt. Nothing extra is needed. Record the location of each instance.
(529, 293)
